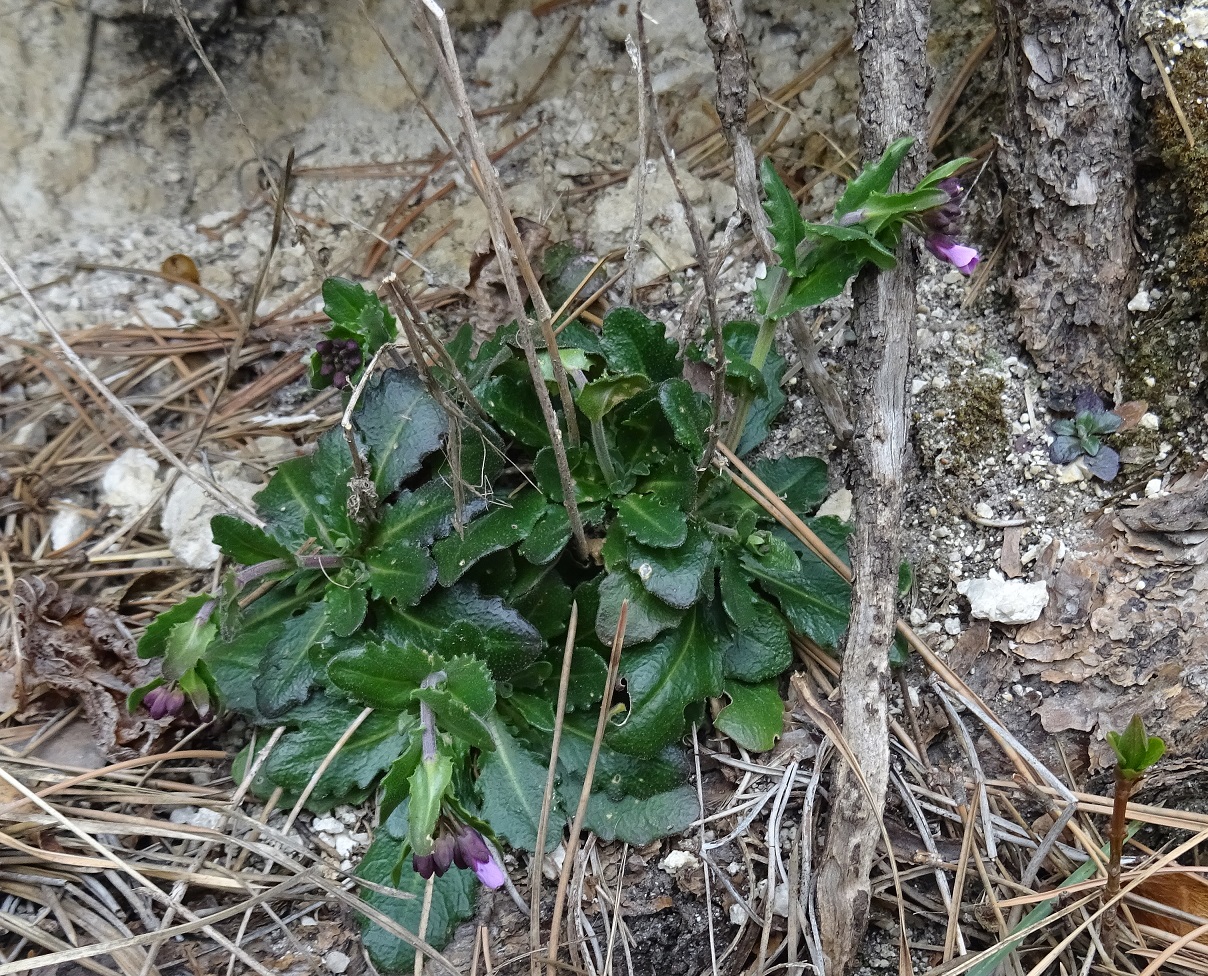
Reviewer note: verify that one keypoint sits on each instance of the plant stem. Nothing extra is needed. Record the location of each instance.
(759, 356)
(249, 574)
(599, 444)
(427, 720)
(1107, 923)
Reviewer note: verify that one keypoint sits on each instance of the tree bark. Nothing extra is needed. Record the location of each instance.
(891, 37)
(1068, 167)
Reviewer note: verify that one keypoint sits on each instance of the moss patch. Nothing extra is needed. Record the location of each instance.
(969, 426)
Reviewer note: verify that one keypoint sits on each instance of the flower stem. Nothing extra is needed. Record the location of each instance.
(599, 444)
(759, 356)
(249, 574)
(427, 720)
(1107, 923)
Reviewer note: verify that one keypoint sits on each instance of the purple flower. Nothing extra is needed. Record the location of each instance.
(338, 360)
(963, 258)
(940, 225)
(163, 701)
(467, 850)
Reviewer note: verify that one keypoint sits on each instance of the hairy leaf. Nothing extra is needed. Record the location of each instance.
(680, 668)
(799, 482)
(401, 572)
(815, 599)
(513, 405)
(632, 343)
(875, 177)
(647, 617)
(346, 603)
(401, 425)
(740, 343)
(381, 675)
(676, 575)
(453, 896)
(463, 701)
(784, 216)
(154, 642)
(286, 671)
(420, 516)
(758, 646)
(687, 411)
(488, 533)
(512, 786)
(652, 522)
(548, 537)
(600, 396)
(308, 498)
(245, 543)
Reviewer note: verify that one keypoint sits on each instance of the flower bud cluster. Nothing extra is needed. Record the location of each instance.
(338, 360)
(164, 702)
(942, 223)
(463, 846)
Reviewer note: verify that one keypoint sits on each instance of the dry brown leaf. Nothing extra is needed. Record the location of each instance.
(1130, 413)
(1009, 561)
(486, 285)
(1181, 891)
(84, 655)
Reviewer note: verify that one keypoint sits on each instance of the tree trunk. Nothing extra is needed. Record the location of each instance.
(891, 36)
(1068, 166)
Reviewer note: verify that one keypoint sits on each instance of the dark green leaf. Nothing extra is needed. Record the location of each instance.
(688, 413)
(875, 178)
(681, 668)
(187, 643)
(381, 675)
(344, 301)
(453, 895)
(548, 537)
(488, 533)
(370, 750)
(245, 543)
(508, 641)
(755, 716)
(401, 425)
(673, 481)
(420, 516)
(396, 784)
(308, 497)
(463, 701)
(600, 396)
(759, 646)
(652, 522)
(286, 671)
(800, 482)
(401, 572)
(784, 217)
(647, 617)
(632, 343)
(816, 601)
(429, 782)
(346, 604)
(740, 343)
(513, 405)
(546, 607)
(639, 822)
(618, 774)
(512, 786)
(590, 486)
(676, 575)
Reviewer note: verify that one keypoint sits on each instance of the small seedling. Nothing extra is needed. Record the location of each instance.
(1135, 753)
(1083, 437)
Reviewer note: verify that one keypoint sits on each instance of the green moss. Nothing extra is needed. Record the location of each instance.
(979, 424)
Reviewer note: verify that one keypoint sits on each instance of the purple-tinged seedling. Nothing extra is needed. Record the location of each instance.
(1083, 436)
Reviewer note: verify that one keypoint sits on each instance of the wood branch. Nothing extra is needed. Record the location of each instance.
(1071, 183)
(733, 84)
(892, 36)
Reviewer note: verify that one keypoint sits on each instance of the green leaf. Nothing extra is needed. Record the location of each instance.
(943, 172)
(463, 701)
(546, 607)
(401, 572)
(245, 543)
(590, 486)
(681, 668)
(1135, 750)
(345, 302)
(346, 603)
(508, 642)
(154, 642)
(512, 786)
(648, 616)
(548, 537)
(632, 343)
(453, 895)
(784, 217)
(878, 252)
(381, 675)
(875, 178)
(571, 359)
(286, 671)
(640, 822)
(401, 425)
(429, 783)
(652, 522)
(600, 396)
(687, 412)
(799, 482)
(618, 774)
(673, 481)
(308, 497)
(740, 339)
(825, 275)
(676, 575)
(488, 533)
(370, 750)
(420, 516)
(815, 600)
(755, 716)
(759, 646)
(187, 643)
(396, 784)
(513, 405)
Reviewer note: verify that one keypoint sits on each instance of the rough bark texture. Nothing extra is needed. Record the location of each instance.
(1068, 165)
(891, 38)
